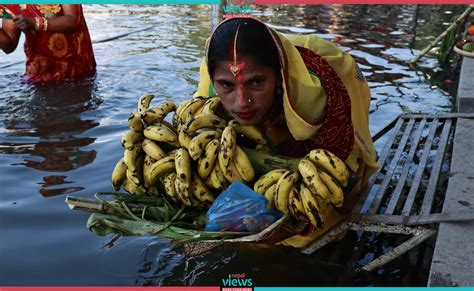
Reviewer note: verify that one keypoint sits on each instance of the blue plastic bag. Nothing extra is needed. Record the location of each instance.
(239, 208)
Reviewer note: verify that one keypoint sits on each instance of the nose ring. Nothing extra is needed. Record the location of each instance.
(249, 100)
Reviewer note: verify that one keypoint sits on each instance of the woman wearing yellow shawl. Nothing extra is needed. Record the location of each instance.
(303, 91)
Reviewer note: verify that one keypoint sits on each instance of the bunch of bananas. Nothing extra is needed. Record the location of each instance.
(307, 193)
(211, 138)
(191, 159)
(199, 154)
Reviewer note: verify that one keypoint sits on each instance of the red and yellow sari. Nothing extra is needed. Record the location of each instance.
(52, 56)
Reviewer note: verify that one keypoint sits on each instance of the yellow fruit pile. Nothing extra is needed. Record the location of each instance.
(193, 159)
(307, 193)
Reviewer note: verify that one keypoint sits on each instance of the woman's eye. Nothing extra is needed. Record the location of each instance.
(255, 82)
(225, 84)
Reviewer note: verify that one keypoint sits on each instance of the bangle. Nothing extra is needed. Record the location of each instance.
(45, 28)
(40, 23)
(36, 23)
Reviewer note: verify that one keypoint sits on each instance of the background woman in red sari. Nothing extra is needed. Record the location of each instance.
(57, 45)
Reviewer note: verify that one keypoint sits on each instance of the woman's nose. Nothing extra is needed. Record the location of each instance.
(241, 99)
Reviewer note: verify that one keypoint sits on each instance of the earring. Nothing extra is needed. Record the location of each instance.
(279, 91)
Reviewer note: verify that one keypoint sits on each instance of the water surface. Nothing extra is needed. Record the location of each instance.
(64, 140)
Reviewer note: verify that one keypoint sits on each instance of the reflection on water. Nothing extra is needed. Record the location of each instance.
(45, 127)
(66, 139)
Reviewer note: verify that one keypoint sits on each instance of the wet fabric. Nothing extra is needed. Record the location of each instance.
(52, 56)
(325, 105)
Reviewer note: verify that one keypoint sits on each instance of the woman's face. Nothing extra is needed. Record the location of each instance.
(248, 95)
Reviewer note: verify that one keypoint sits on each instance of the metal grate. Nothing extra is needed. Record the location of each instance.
(406, 195)
(411, 164)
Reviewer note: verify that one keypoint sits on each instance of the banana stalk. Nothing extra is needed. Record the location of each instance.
(264, 163)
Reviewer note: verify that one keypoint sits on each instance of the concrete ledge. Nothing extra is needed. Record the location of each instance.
(453, 257)
(465, 100)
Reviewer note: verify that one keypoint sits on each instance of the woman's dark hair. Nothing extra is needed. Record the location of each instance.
(253, 40)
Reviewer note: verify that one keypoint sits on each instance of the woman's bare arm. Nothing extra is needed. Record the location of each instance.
(9, 36)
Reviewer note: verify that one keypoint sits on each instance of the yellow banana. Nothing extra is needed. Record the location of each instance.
(168, 125)
(336, 193)
(161, 133)
(252, 132)
(227, 147)
(135, 177)
(233, 123)
(295, 206)
(243, 164)
(153, 191)
(311, 178)
(190, 109)
(211, 105)
(135, 122)
(183, 138)
(183, 166)
(178, 110)
(216, 179)
(130, 157)
(172, 153)
(147, 162)
(131, 138)
(169, 187)
(208, 158)
(144, 103)
(159, 169)
(282, 190)
(136, 174)
(200, 191)
(201, 121)
(133, 188)
(199, 143)
(183, 191)
(197, 113)
(152, 149)
(158, 113)
(119, 174)
(270, 195)
(332, 164)
(231, 173)
(311, 207)
(267, 180)
(204, 129)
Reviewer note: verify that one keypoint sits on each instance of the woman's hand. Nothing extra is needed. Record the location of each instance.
(24, 22)
(65, 23)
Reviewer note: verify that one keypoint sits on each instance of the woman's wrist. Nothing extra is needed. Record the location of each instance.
(41, 24)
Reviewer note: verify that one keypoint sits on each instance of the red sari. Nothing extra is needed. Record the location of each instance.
(52, 56)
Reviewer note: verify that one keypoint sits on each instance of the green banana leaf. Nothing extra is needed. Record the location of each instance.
(130, 215)
(446, 46)
(103, 224)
